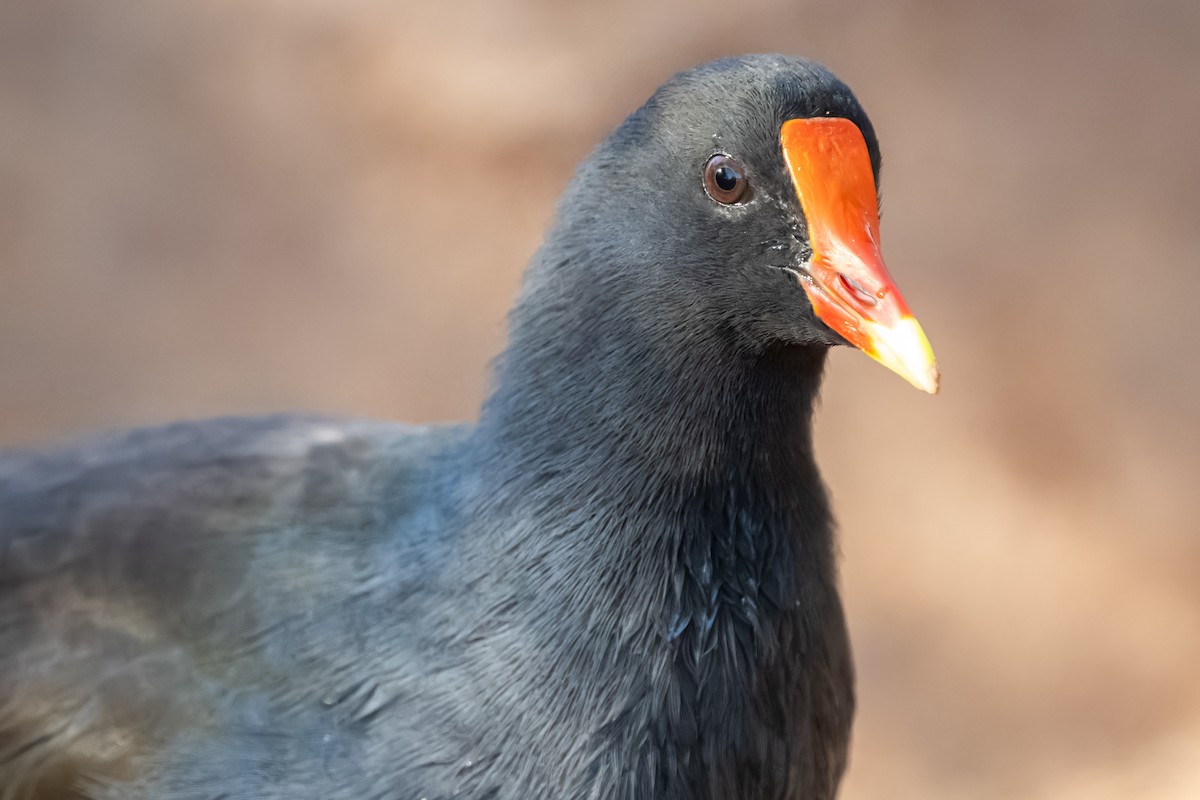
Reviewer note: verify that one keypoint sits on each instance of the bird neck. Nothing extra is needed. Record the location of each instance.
(709, 414)
(622, 443)
(646, 510)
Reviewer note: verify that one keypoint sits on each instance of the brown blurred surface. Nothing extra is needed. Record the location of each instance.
(213, 207)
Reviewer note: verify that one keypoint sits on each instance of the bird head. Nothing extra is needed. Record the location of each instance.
(744, 195)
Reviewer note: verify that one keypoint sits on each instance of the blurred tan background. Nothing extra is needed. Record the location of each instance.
(210, 207)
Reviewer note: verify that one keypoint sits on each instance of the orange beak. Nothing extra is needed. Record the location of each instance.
(847, 281)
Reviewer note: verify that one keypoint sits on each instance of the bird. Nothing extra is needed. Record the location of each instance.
(619, 582)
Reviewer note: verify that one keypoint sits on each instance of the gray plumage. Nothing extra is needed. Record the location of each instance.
(620, 583)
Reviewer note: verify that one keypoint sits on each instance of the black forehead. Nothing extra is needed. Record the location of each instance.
(747, 99)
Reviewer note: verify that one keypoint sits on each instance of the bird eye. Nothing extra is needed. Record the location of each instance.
(724, 179)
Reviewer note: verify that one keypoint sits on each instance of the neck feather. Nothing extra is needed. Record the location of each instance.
(617, 443)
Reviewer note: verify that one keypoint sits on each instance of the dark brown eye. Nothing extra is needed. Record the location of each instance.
(724, 179)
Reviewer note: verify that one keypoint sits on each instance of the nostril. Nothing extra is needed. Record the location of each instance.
(857, 290)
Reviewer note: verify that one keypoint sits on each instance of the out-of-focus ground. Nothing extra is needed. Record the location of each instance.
(211, 207)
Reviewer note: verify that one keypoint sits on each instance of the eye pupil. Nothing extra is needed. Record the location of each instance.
(725, 180)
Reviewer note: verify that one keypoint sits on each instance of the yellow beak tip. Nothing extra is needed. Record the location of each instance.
(932, 381)
(904, 349)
